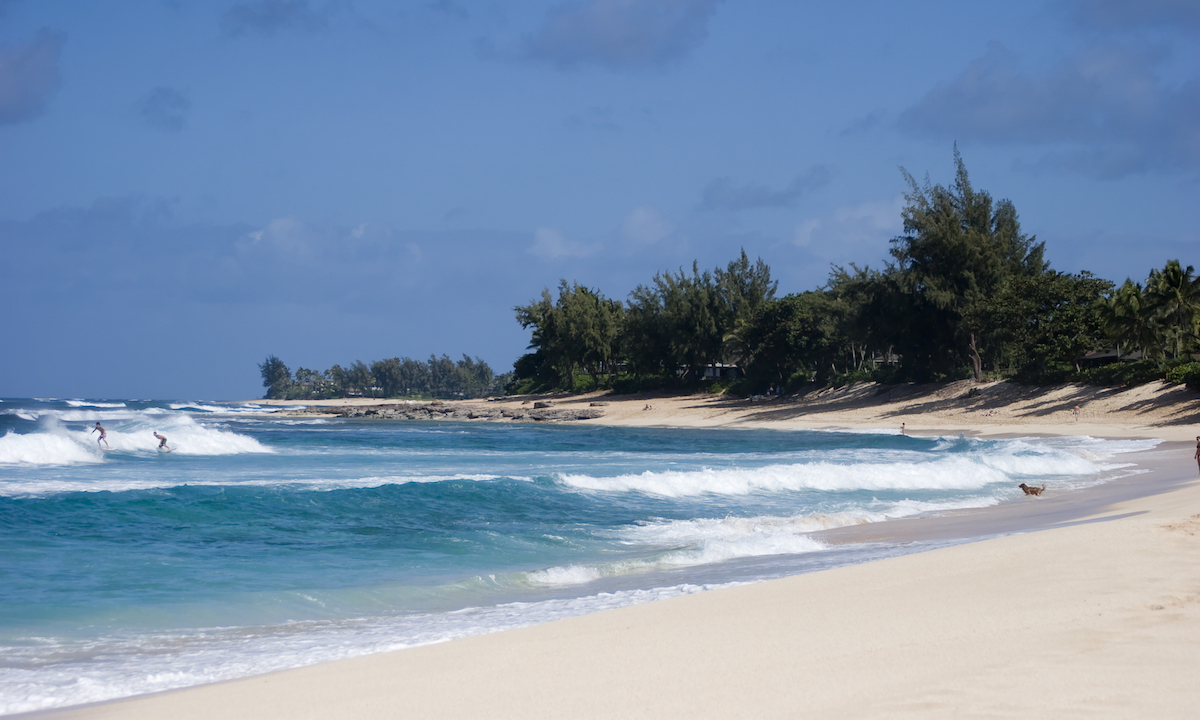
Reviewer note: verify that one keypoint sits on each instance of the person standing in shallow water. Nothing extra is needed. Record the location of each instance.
(104, 435)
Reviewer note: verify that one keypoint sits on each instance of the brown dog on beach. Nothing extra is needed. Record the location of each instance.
(1032, 490)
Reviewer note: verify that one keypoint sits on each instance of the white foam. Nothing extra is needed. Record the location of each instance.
(975, 468)
(133, 432)
(231, 409)
(112, 668)
(942, 475)
(43, 486)
(700, 542)
(44, 449)
(79, 415)
(86, 403)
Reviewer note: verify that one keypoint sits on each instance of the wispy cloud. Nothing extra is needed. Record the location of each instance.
(594, 118)
(165, 108)
(265, 17)
(645, 226)
(550, 244)
(621, 34)
(450, 8)
(865, 124)
(1103, 111)
(851, 232)
(29, 77)
(724, 194)
(1123, 15)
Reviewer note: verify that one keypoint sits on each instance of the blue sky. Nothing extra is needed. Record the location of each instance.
(187, 187)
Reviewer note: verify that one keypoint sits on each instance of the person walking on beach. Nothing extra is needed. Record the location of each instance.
(104, 435)
(1076, 411)
(1198, 451)
(162, 441)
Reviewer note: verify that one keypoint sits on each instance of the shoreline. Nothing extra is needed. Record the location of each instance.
(1096, 586)
(1096, 615)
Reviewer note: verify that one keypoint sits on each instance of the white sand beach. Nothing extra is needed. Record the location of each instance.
(1096, 615)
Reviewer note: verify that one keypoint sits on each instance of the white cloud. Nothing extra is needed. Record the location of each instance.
(645, 226)
(621, 34)
(285, 237)
(723, 194)
(852, 233)
(550, 243)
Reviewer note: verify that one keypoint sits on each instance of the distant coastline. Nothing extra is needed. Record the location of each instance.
(1157, 409)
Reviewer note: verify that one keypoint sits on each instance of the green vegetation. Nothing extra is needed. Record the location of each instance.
(966, 294)
(393, 377)
(669, 332)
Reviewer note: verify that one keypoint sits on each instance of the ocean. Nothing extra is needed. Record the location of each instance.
(265, 542)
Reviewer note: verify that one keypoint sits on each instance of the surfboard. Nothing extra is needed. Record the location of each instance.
(165, 449)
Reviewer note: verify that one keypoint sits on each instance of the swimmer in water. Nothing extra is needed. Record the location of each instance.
(104, 434)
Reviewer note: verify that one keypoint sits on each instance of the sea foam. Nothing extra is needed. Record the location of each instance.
(44, 449)
(53, 443)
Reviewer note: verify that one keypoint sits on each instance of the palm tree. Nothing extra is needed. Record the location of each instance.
(1125, 319)
(1173, 295)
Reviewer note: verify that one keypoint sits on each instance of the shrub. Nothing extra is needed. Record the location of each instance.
(630, 384)
(583, 384)
(1138, 372)
(1187, 373)
(528, 386)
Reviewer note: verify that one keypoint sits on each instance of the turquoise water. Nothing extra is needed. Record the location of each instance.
(260, 543)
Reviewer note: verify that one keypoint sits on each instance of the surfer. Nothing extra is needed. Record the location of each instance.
(104, 435)
(162, 441)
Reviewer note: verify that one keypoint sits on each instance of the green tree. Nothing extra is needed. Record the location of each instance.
(307, 384)
(578, 331)
(790, 335)
(1050, 322)
(691, 318)
(388, 376)
(338, 380)
(360, 379)
(741, 289)
(864, 306)
(414, 377)
(1127, 322)
(957, 249)
(474, 376)
(276, 377)
(1173, 298)
(441, 375)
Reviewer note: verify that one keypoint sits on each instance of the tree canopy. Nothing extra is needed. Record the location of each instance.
(439, 377)
(966, 293)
